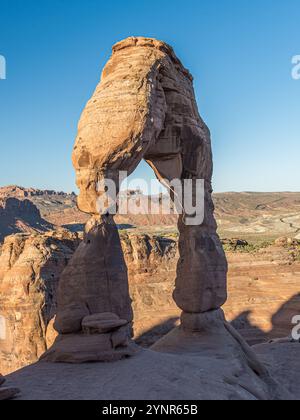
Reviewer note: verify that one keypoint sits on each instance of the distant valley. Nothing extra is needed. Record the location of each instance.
(250, 216)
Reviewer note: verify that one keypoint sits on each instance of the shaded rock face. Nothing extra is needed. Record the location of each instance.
(30, 266)
(7, 393)
(98, 258)
(282, 358)
(20, 216)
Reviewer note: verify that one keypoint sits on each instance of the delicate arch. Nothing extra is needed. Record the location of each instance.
(144, 108)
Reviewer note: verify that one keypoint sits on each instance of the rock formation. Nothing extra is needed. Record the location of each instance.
(263, 291)
(144, 108)
(30, 266)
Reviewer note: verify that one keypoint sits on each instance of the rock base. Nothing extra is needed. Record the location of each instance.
(103, 338)
(208, 335)
(152, 375)
(82, 348)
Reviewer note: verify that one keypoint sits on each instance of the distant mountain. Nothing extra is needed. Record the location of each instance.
(252, 214)
(247, 215)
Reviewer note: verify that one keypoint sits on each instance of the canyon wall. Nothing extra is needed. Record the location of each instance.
(20, 216)
(264, 290)
(30, 266)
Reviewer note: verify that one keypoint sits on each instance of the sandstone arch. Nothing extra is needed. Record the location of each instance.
(143, 108)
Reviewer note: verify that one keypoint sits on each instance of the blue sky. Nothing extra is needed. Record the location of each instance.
(239, 52)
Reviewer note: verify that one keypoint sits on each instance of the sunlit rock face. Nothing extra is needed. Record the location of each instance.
(30, 266)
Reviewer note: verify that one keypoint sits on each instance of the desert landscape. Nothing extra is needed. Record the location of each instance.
(259, 233)
(182, 283)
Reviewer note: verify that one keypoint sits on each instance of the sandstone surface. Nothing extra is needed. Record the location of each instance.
(203, 375)
(283, 361)
(263, 285)
(7, 393)
(30, 266)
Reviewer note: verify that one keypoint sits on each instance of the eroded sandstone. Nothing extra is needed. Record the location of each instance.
(257, 309)
(30, 266)
(143, 108)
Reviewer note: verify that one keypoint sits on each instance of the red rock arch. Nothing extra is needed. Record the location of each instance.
(143, 108)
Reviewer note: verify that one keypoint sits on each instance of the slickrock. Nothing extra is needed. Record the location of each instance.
(283, 361)
(8, 393)
(149, 376)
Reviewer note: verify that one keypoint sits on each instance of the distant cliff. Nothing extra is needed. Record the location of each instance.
(250, 216)
(20, 216)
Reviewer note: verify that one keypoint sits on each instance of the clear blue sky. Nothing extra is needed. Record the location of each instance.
(239, 52)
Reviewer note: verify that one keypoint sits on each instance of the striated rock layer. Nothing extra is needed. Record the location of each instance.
(263, 291)
(30, 266)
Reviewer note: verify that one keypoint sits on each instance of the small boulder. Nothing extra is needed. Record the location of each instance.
(102, 323)
(285, 241)
(69, 320)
